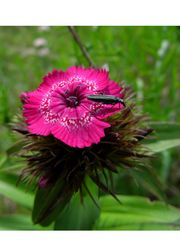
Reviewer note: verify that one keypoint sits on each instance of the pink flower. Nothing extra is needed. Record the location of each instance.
(60, 106)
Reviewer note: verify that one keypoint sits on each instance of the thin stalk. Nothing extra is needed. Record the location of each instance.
(83, 49)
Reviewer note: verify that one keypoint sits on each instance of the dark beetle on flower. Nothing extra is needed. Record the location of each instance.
(106, 99)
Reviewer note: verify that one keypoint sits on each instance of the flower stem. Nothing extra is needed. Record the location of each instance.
(81, 45)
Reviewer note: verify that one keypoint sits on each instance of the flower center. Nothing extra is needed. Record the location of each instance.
(72, 101)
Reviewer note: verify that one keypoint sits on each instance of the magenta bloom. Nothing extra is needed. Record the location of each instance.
(60, 106)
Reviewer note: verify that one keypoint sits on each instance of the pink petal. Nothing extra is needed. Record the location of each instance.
(98, 76)
(39, 127)
(51, 78)
(115, 89)
(33, 116)
(81, 136)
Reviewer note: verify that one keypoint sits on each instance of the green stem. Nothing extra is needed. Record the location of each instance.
(81, 45)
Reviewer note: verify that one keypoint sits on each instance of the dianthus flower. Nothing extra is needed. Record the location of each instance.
(68, 138)
(60, 106)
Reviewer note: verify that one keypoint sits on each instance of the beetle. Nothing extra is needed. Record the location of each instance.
(106, 99)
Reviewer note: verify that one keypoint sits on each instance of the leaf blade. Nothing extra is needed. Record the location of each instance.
(162, 145)
(136, 213)
(9, 189)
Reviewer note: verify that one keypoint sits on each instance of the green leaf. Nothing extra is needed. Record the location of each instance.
(17, 194)
(3, 158)
(149, 179)
(136, 213)
(77, 215)
(163, 145)
(17, 222)
(4, 108)
(49, 202)
(167, 135)
(15, 148)
(13, 168)
(166, 130)
(166, 164)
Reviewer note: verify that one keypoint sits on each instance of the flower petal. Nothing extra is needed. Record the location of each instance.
(115, 89)
(56, 76)
(80, 136)
(32, 114)
(60, 106)
(97, 79)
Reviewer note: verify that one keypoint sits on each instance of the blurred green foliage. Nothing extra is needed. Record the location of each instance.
(147, 58)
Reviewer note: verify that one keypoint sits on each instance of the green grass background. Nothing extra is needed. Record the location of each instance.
(130, 52)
